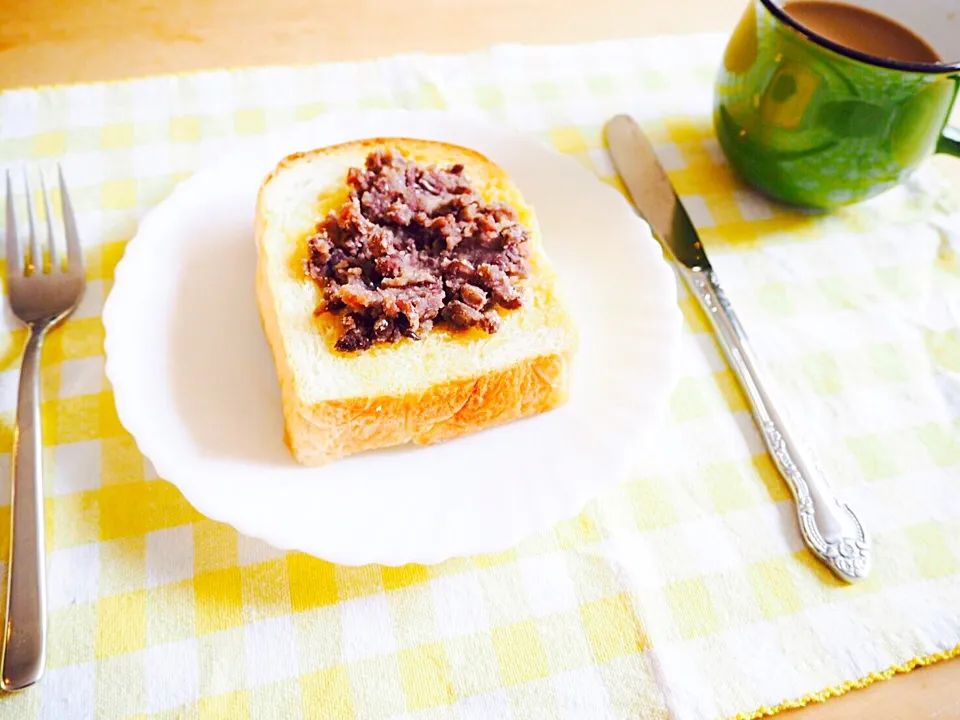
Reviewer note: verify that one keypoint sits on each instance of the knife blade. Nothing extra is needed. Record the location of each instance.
(652, 192)
(829, 526)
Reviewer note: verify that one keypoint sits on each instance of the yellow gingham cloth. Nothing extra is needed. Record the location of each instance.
(686, 593)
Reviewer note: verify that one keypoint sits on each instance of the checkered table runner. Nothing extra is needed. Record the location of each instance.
(686, 593)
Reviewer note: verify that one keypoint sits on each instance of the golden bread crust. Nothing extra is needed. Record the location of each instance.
(322, 433)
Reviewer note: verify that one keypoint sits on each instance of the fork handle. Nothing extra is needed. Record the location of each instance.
(26, 618)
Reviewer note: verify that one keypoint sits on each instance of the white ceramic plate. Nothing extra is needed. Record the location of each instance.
(195, 385)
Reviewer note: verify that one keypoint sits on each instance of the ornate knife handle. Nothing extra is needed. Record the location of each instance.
(829, 527)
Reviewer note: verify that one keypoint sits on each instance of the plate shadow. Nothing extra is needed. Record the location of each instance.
(222, 374)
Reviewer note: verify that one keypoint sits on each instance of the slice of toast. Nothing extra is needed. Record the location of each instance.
(446, 384)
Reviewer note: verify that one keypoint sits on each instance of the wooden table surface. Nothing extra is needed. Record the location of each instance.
(63, 41)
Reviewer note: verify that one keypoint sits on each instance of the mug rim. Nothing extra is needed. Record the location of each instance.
(919, 67)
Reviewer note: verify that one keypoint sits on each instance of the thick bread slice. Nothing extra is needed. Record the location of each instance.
(447, 384)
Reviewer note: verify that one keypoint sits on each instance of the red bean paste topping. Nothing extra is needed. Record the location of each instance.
(412, 247)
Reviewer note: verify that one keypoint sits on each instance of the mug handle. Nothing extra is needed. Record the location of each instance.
(949, 143)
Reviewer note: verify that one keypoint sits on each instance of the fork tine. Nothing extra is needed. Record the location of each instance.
(74, 254)
(51, 239)
(36, 257)
(14, 258)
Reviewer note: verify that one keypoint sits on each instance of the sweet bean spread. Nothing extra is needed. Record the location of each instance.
(414, 246)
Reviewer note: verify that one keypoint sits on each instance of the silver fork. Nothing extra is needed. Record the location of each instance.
(41, 299)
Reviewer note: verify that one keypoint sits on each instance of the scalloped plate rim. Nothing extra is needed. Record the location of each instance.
(132, 419)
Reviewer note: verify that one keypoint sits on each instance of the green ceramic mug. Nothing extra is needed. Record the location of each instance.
(812, 123)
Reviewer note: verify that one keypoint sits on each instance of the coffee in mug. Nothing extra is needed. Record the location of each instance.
(860, 29)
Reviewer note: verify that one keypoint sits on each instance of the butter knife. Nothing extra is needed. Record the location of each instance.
(829, 526)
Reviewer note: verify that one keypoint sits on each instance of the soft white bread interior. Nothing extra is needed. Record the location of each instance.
(447, 384)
